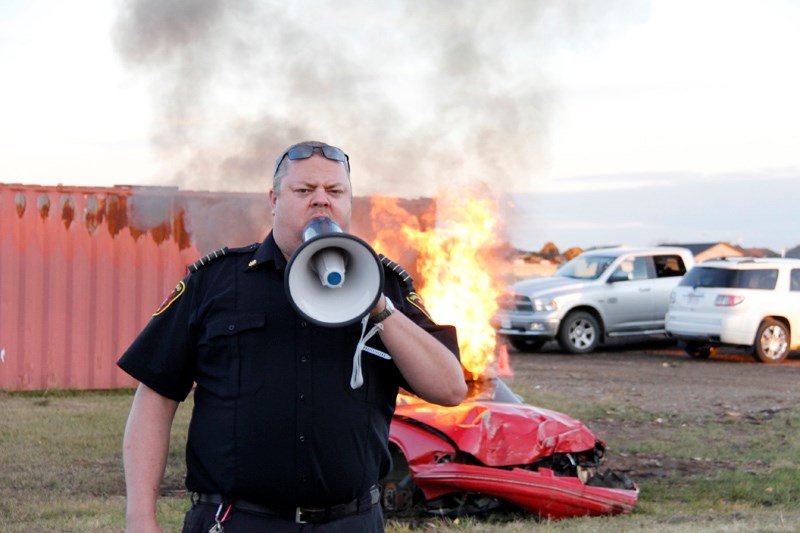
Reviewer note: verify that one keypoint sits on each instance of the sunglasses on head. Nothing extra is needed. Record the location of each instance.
(304, 151)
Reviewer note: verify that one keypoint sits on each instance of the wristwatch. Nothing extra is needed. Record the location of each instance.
(383, 315)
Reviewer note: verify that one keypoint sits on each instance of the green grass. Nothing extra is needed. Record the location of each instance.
(61, 462)
(61, 469)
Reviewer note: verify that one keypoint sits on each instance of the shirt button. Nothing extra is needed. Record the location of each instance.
(302, 397)
(303, 359)
(231, 327)
(301, 438)
(303, 324)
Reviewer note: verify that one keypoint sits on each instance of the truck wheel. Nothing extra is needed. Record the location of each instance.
(772, 341)
(579, 333)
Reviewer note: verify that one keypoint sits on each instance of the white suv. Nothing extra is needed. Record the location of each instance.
(603, 293)
(742, 301)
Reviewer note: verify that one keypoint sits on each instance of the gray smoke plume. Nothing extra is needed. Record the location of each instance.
(422, 95)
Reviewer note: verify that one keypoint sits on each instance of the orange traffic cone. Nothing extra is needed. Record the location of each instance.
(503, 367)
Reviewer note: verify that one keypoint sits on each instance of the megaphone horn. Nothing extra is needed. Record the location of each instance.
(334, 278)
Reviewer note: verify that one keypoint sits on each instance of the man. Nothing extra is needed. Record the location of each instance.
(279, 439)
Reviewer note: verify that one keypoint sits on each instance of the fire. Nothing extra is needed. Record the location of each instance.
(456, 279)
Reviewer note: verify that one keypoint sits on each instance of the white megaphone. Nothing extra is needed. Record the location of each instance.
(334, 278)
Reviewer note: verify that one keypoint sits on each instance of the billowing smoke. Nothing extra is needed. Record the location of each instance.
(423, 95)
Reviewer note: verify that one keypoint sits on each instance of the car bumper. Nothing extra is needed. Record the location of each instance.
(733, 329)
(539, 492)
(526, 325)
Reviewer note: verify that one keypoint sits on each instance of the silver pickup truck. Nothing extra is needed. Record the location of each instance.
(599, 294)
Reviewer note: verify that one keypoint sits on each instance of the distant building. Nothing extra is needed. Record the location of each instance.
(716, 250)
(711, 250)
(760, 252)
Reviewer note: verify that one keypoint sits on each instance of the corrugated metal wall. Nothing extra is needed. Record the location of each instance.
(77, 282)
(82, 270)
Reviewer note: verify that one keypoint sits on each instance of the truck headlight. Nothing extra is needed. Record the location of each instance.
(541, 304)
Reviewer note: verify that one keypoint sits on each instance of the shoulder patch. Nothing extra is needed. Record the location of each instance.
(206, 259)
(416, 300)
(397, 269)
(176, 293)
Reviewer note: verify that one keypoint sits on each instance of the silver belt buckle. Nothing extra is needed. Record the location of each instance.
(298, 516)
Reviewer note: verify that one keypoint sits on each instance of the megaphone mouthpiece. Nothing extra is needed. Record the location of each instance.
(329, 264)
(320, 226)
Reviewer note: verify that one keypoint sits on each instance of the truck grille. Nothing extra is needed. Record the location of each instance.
(516, 302)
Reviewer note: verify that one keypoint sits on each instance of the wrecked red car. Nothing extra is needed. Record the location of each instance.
(494, 452)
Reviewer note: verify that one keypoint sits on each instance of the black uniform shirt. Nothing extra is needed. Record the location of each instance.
(275, 419)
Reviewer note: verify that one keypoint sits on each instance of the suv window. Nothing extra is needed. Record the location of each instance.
(669, 265)
(764, 279)
(795, 279)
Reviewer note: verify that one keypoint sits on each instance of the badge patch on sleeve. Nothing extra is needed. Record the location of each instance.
(176, 293)
(416, 300)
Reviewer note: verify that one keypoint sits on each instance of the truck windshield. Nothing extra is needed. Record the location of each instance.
(585, 267)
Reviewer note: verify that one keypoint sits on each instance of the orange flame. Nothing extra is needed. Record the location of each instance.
(456, 278)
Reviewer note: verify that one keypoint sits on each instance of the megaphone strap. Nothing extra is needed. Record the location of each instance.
(357, 377)
(375, 351)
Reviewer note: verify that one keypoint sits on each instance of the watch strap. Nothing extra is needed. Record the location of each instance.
(387, 311)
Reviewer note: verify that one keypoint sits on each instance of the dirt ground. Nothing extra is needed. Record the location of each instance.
(659, 378)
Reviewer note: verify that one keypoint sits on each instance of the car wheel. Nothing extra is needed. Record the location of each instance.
(398, 489)
(772, 342)
(524, 344)
(579, 333)
(700, 351)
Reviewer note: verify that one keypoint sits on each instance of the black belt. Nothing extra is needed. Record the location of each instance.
(301, 515)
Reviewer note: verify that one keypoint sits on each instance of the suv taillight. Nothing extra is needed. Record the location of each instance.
(728, 300)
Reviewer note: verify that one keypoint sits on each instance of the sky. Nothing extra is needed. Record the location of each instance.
(623, 121)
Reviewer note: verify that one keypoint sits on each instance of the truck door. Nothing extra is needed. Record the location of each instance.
(630, 304)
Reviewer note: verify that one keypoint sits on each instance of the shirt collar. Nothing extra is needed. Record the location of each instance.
(268, 252)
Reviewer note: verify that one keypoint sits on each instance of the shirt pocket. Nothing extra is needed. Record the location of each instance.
(219, 364)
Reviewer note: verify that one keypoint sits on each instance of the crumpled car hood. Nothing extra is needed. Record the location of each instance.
(500, 433)
(495, 448)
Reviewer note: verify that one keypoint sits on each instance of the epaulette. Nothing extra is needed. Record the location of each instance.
(206, 259)
(216, 254)
(397, 269)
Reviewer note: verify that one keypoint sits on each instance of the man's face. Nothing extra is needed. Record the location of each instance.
(313, 187)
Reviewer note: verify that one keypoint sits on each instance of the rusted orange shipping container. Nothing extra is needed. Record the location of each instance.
(83, 268)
